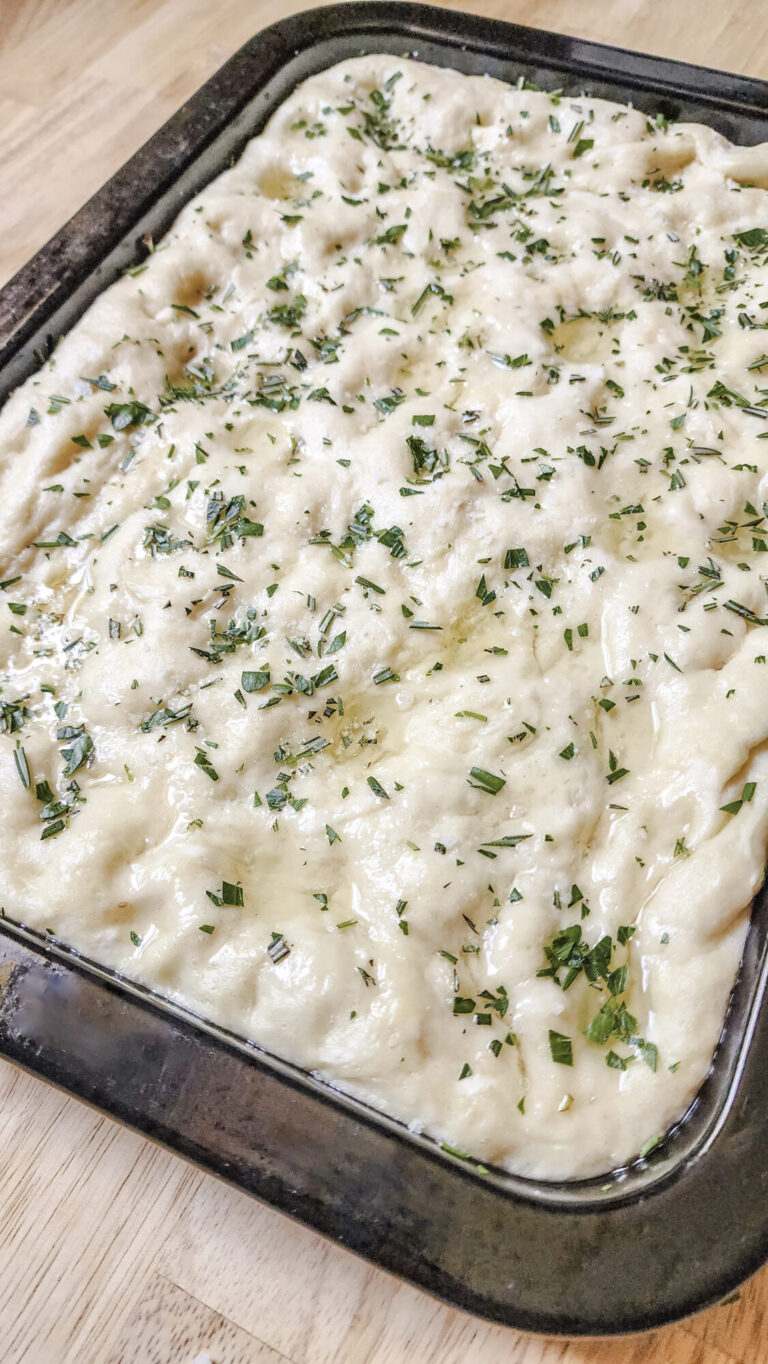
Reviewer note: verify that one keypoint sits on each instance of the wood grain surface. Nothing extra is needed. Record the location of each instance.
(112, 1251)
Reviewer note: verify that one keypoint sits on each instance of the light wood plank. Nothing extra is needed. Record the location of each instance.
(88, 87)
(738, 1324)
(84, 1205)
(168, 1324)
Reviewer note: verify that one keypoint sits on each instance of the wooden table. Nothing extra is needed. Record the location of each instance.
(110, 1248)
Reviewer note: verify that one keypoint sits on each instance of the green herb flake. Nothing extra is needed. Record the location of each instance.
(560, 1048)
(254, 681)
(22, 766)
(486, 781)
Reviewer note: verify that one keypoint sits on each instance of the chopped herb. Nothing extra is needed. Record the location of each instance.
(254, 681)
(560, 1048)
(80, 751)
(486, 781)
(125, 415)
(202, 760)
(277, 948)
(463, 1006)
(22, 766)
(231, 894)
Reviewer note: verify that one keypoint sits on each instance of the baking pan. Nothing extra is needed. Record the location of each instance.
(644, 1245)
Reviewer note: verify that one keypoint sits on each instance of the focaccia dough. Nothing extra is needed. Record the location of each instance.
(384, 608)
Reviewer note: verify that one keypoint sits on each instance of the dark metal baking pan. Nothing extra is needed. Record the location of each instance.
(668, 1235)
